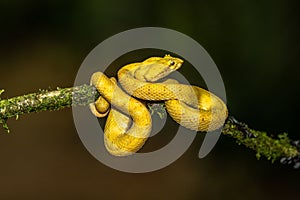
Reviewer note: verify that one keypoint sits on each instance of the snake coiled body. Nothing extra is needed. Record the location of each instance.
(118, 139)
(190, 106)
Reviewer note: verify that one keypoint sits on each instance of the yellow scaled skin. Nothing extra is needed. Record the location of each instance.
(190, 106)
(120, 141)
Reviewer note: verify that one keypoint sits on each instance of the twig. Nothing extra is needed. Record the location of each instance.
(280, 148)
(46, 100)
(273, 149)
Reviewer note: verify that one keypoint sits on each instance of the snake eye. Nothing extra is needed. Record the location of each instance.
(172, 63)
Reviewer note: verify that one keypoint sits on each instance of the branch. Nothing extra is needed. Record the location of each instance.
(280, 148)
(273, 149)
(46, 100)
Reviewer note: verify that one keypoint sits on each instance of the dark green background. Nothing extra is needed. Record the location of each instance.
(255, 44)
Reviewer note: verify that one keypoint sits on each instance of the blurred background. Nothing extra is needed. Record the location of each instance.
(255, 45)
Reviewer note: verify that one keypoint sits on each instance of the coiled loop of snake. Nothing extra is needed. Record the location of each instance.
(120, 140)
(190, 106)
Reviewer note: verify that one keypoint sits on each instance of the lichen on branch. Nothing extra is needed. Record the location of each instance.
(280, 148)
(272, 148)
(46, 100)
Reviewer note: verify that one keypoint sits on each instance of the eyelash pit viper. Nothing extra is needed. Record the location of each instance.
(190, 106)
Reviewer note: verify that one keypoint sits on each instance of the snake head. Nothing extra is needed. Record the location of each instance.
(156, 68)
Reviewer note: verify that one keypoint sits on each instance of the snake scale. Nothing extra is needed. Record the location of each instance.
(129, 122)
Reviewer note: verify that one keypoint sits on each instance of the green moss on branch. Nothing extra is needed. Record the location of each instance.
(264, 145)
(46, 100)
(272, 148)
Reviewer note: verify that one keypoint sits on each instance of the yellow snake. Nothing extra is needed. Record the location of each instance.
(190, 106)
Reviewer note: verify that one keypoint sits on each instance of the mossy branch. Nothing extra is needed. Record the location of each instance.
(46, 100)
(280, 148)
